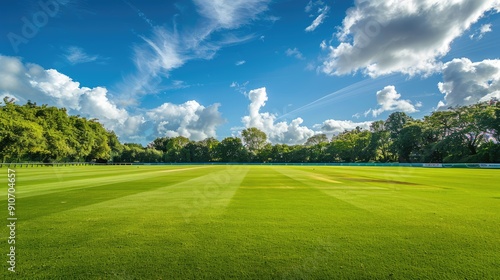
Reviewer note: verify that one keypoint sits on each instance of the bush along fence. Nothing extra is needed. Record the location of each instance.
(424, 165)
(41, 164)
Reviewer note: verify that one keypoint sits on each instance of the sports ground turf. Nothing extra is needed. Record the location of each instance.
(254, 222)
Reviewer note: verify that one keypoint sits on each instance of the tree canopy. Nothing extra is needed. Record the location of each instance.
(48, 134)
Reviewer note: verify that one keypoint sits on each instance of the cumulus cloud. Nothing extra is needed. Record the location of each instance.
(319, 19)
(294, 53)
(389, 100)
(380, 37)
(466, 82)
(191, 120)
(277, 132)
(32, 82)
(335, 127)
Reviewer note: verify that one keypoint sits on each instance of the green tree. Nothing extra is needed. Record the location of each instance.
(231, 149)
(379, 148)
(394, 124)
(280, 153)
(318, 152)
(351, 146)
(254, 139)
(409, 141)
(316, 139)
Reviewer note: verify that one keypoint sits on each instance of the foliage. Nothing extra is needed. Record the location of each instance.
(462, 134)
(254, 139)
(48, 134)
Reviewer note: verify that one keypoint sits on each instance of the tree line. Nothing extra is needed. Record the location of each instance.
(463, 134)
(31, 133)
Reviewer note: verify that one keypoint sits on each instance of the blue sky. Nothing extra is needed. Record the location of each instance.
(293, 69)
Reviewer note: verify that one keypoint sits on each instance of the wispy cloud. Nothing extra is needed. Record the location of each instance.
(241, 88)
(140, 13)
(319, 19)
(241, 62)
(229, 14)
(361, 87)
(166, 49)
(76, 55)
(295, 53)
(311, 4)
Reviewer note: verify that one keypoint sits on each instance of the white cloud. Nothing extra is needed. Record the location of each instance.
(241, 88)
(295, 53)
(281, 132)
(485, 28)
(380, 37)
(389, 100)
(309, 7)
(140, 14)
(230, 14)
(479, 34)
(97, 104)
(293, 132)
(239, 63)
(156, 58)
(319, 19)
(335, 127)
(191, 120)
(76, 55)
(32, 82)
(466, 82)
(170, 48)
(323, 45)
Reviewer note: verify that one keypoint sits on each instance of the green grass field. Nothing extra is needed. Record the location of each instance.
(254, 222)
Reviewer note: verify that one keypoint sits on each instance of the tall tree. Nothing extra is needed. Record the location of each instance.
(316, 139)
(379, 148)
(395, 123)
(254, 139)
(409, 141)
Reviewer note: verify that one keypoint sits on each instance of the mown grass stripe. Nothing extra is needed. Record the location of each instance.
(95, 179)
(261, 222)
(77, 194)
